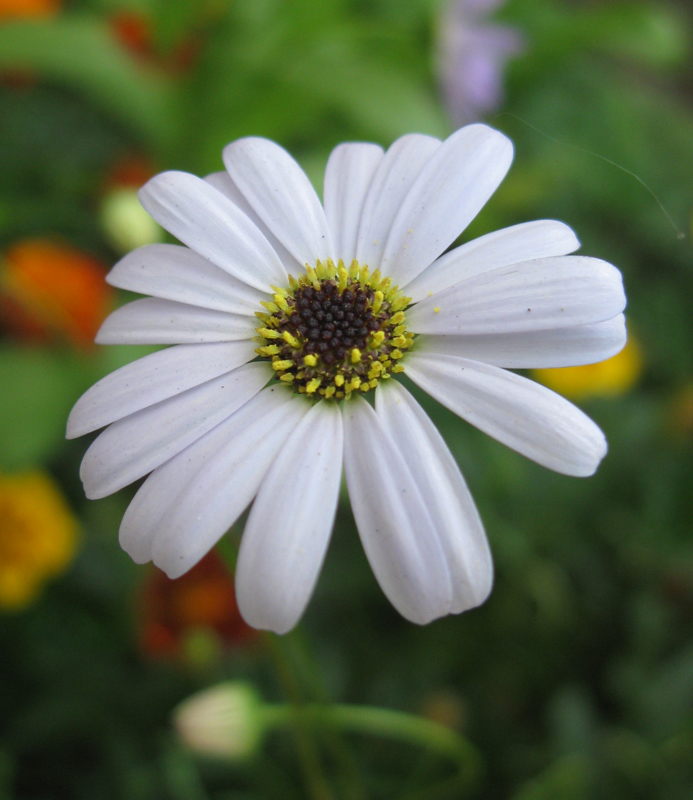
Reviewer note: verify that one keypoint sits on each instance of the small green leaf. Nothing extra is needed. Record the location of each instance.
(80, 52)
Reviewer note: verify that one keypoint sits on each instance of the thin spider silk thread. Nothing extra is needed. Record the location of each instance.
(680, 235)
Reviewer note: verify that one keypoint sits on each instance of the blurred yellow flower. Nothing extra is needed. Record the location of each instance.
(615, 376)
(29, 8)
(38, 536)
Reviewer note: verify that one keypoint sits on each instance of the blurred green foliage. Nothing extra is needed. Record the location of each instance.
(575, 680)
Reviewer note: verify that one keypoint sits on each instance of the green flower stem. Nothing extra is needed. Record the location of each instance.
(306, 746)
(387, 723)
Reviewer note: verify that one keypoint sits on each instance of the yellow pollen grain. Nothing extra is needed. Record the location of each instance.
(268, 351)
(313, 386)
(436, 309)
(364, 387)
(372, 383)
(397, 319)
(354, 383)
(271, 307)
(339, 380)
(398, 368)
(355, 356)
(375, 370)
(290, 339)
(343, 278)
(267, 333)
(287, 378)
(377, 339)
(282, 364)
(400, 341)
(310, 360)
(281, 303)
(396, 354)
(378, 298)
(329, 392)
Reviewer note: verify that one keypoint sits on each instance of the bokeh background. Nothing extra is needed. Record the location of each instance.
(575, 679)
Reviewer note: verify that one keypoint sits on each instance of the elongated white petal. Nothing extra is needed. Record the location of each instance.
(178, 273)
(524, 242)
(394, 176)
(518, 412)
(155, 321)
(449, 192)
(395, 526)
(536, 295)
(152, 379)
(348, 175)
(288, 529)
(561, 347)
(137, 444)
(223, 487)
(161, 492)
(281, 195)
(222, 181)
(446, 496)
(208, 222)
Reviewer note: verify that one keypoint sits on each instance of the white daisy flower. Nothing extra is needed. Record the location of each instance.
(287, 316)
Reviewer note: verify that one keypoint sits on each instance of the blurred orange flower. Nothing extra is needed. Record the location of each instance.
(134, 30)
(615, 376)
(38, 536)
(28, 8)
(52, 290)
(202, 600)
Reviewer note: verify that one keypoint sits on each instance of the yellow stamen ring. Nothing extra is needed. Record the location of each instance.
(334, 331)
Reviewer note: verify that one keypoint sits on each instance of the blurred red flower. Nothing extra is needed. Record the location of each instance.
(134, 31)
(202, 600)
(51, 290)
(28, 8)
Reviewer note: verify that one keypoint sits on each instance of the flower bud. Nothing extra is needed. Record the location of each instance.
(223, 721)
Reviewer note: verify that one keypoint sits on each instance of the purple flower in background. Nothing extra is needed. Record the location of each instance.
(472, 52)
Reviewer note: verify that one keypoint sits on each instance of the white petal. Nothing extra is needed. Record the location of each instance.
(161, 492)
(281, 195)
(155, 321)
(561, 347)
(518, 412)
(348, 174)
(394, 176)
(178, 273)
(450, 191)
(209, 223)
(139, 443)
(447, 498)
(536, 295)
(288, 529)
(395, 526)
(152, 379)
(222, 181)
(217, 494)
(525, 242)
